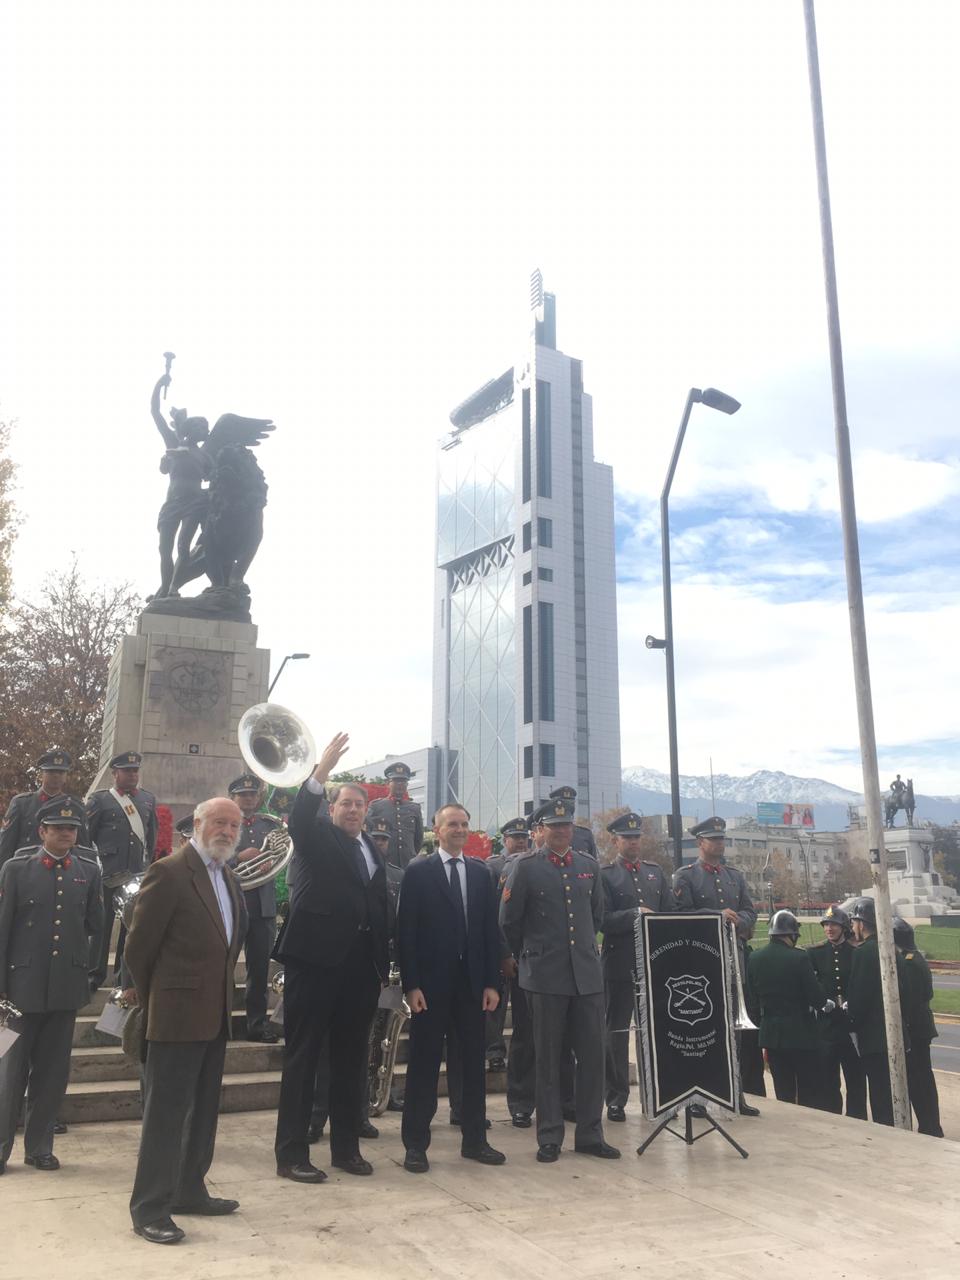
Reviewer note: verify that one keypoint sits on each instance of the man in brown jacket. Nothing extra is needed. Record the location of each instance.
(187, 930)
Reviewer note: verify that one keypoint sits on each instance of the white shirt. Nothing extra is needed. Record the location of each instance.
(458, 860)
(221, 892)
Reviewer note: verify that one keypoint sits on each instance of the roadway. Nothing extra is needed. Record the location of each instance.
(945, 1050)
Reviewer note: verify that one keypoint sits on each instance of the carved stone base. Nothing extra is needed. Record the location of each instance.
(176, 691)
(219, 604)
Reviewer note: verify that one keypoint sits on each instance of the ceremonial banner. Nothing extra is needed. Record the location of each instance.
(686, 1043)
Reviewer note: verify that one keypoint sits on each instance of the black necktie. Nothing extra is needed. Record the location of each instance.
(454, 868)
(361, 861)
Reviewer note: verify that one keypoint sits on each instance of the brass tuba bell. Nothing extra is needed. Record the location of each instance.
(276, 745)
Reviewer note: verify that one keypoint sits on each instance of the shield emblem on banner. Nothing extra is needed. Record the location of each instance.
(687, 999)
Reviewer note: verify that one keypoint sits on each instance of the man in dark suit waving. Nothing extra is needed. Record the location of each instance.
(449, 947)
(334, 952)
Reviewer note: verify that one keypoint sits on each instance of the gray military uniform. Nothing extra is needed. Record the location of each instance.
(261, 904)
(405, 821)
(705, 892)
(48, 913)
(20, 829)
(122, 856)
(551, 915)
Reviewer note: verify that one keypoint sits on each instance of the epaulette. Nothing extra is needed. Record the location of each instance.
(25, 851)
(88, 855)
(527, 853)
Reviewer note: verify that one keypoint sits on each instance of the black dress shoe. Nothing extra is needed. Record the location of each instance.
(301, 1172)
(416, 1161)
(394, 1105)
(163, 1231)
(601, 1149)
(521, 1120)
(497, 1064)
(455, 1121)
(747, 1110)
(548, 1153)
(315, 1132)
(697, 1110)
(59, 1126)
(47, 1163)
(484, 1154)
(212, 1207)
(264, 1035)
(616, 1113)
(354, 1164)
(368, 1130)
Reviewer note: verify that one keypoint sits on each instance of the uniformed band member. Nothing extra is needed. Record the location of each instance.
(50, 907)
(551, 911)
(582, 840)
(122, 821)
(20, 829)
(709, 886)
(865, 1006)
(831, 961)
(918, 985)
(785, 986)
(261, 904)
(630, 885)
(516, 840)
(402, 813)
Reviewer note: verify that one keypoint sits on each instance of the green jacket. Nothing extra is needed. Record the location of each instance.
(865, 999)
(918, 985)
(832, 966)
(782, 981)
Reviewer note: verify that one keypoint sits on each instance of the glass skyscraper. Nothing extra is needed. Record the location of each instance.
(525, 632)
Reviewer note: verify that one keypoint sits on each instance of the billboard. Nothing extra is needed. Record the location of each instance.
(786, 815)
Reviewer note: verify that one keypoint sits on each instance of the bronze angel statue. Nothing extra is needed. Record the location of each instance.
(212, 519)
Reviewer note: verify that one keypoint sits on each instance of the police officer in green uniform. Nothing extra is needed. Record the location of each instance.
(709, 886)
(832, 960)
(50, 907)
(918, 984)
(122, 822)
(784, 985)
(582, 840)
(551, 910)
(19, 829)
(261, 903)
(402, 813)
(630, 885)
(865, 1006)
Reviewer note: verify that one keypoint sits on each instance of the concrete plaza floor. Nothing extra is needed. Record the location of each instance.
(885, 1204)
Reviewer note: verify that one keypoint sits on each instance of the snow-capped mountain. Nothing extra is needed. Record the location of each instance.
(765, 784)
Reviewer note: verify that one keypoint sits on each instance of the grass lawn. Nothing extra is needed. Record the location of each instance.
(936, 944)
(946, 1001)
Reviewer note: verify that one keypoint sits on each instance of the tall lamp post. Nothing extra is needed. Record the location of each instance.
(713, 399)
(291, 657)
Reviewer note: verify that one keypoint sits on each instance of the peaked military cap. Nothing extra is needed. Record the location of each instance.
(379, 827)
(246, 782)
(710, 829)
(127, 760)
(55, 758)
(564, 793)
(61, 813)
(398, 770)
(556, 812)
(185, 826)
(515, 827)
(628, 824)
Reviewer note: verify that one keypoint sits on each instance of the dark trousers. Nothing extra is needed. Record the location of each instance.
(38, 1066)
(496, 1046)
(794, 1074)
(181, 1101)
(521, 1059)
(457, 1016)
(835, 1057)
(751, 1063)
(261, 934)
(923, 1089)
(321, 1088)
(877, 1070)
(100, 944)
(619, 1009)
(318, 1002)
(577, 1021)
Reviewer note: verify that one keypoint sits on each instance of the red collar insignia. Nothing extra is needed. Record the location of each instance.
(49, 862)
(565, 861)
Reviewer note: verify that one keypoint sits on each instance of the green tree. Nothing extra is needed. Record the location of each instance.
(946, 852)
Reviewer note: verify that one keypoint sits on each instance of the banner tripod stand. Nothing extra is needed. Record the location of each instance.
(688, 1136)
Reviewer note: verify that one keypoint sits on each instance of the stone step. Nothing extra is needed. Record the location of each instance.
(102, 995)
(89, 1066)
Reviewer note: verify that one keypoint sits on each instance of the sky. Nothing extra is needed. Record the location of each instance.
(330, 213)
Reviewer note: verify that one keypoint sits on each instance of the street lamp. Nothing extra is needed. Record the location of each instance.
(291, 657)
(713, 399)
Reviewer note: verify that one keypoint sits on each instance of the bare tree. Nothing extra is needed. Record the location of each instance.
(9, 519)
(54, 659)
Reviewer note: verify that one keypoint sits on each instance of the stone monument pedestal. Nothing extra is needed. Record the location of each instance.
(176, 691)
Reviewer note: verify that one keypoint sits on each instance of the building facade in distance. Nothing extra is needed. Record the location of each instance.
(526, 694)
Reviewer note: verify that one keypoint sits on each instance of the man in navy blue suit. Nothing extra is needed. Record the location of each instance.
(449, 947)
